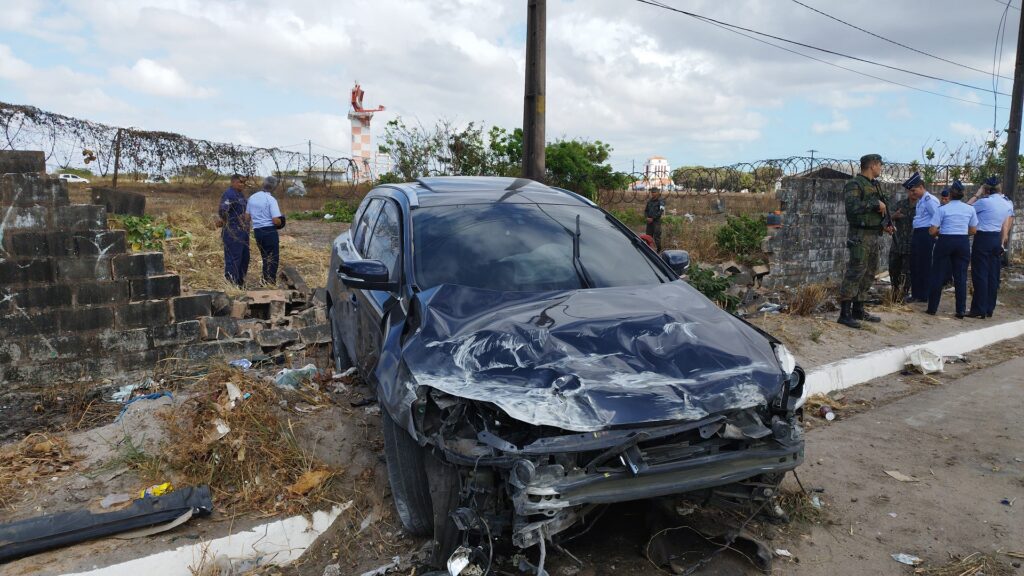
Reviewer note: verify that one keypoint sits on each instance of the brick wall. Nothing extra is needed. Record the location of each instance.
(74, 304)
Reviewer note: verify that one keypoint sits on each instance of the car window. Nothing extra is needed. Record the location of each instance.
(524, 247)
(385, 239)
(369, 215)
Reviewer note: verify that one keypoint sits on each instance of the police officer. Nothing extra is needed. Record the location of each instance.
(899, 252)
(234, 222)
(653, 211)
(866, 213)
(952, 224)
(921, 241)
(995, 218)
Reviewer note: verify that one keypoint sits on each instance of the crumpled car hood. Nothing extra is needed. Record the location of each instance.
(586, 360)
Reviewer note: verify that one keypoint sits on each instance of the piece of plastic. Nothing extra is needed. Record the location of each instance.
(908, 559)
(242, 363)
(926, 361)
(156, 490)
(291, 378)
(114, 499)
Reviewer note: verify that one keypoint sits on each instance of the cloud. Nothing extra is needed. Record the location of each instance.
(11, 67)
(969, 131)
(150, 77)
(839, 123)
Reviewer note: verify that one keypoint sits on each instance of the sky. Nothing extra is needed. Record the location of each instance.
(641, 78)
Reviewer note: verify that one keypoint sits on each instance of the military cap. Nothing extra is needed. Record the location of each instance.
(869, 158)
(992, 181)
(957, 185)
(945, 192)
(913, 182)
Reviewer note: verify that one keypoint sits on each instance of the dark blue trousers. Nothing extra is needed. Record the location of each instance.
(270, 250)
(236, 255)
(985, 267)
(921, 245)
(951, 254)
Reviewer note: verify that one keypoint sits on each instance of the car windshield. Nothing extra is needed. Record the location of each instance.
(525, 247)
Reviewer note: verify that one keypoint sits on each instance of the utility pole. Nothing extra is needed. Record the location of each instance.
(812, 151)
(1013, 133)
(117, 157)
(533, 100)
(310, 158)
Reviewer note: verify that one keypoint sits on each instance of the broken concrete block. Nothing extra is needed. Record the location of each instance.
(743, 279)
(760, 271)
(275, 337)
(220, 303)
(320, 334)
(295, 280)
(277, 310)
(320, 296)
(217, 328)
(239, 309)
(731, 267)
(267, 296)
(249, 328)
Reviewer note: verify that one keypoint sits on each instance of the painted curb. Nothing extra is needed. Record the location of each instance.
(866, 367)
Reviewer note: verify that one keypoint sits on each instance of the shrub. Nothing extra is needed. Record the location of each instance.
(705, 281)
(741, 236)
(629, 216)
(340, 210)
(145, 233)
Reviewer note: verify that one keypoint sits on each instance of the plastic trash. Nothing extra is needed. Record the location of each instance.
(459, 560)
(770, 308)
(153, 396)
(907, 559)
(826, 412)
(296, 188)
(783, 553)
(242, 363)
(114, 499)
(156, 490)
(925, 361)
(291, 378)
(124, 393)
(328, 216)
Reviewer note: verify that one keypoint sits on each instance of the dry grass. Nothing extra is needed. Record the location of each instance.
(809, 299)
(37, 457)
(973, 565)
(800, 507)
(255, 464)
(698, 238)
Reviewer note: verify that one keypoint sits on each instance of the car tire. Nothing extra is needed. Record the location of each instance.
(445, 497)
(408, 478)
(340, 356)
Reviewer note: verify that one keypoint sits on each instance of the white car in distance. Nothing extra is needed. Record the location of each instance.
(73, 179)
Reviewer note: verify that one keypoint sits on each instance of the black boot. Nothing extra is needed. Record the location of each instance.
(860, 314)
(846, 315)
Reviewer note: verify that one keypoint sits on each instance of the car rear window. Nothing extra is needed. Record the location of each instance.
(524, 247)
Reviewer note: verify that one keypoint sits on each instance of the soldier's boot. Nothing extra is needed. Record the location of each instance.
(860, 314)
(846, 315)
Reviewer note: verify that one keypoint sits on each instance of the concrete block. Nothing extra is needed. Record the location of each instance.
(52, 296)
(100, 243)
(239, 309)
(26, 271)
(220, 302)
(125, 341)
(29, 323)
(84, 268)
(174, 334)
(227, 349)
(190, 307)
(26, 218)
(20, 161)
(83, 319)
(217, 328)
(46, 348)
(249, 328)
(80, 217)
(32, 190)
(119, 201)
(143, 314)
(320, 334)
(88, 293)
(26, 244)
(295, 280)
(320, 296)
(138, 265)
(276, 337)
(154, 287)
(12, 351)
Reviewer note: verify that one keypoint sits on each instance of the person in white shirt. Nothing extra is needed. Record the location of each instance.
(267, 219)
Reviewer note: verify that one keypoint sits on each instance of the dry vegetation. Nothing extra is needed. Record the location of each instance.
(976, 564)
(37, 458)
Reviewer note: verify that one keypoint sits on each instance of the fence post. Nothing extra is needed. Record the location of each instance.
(117, 156)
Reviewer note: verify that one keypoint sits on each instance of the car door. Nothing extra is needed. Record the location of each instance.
(383, 243)
(345, 304)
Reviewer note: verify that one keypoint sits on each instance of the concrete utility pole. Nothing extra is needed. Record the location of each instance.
(533, 100)
(1013, 134)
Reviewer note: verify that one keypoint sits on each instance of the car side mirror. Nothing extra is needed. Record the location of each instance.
(677, 260)
(366, 275)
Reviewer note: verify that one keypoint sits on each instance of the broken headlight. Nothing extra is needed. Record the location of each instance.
(786, 359)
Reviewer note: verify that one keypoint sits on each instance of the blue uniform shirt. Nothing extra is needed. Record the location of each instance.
(954, 218)
(263, 208)
(992, 212)
(925, 208)
(232, 209)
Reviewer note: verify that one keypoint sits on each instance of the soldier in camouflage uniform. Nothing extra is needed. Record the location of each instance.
(899, 250)
(867, 215)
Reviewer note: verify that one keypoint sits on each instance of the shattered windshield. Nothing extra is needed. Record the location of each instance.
(524, 247)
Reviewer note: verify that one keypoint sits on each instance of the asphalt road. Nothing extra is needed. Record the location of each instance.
(963, 441)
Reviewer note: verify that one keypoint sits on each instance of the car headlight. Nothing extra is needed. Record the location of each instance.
(786, 359)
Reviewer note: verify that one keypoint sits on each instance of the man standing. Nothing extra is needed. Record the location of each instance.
(234, 224)
(899, 251)
(266, 221)
(865, 212)
(654, 210)
(953, 224)
(995, 218)
(921, 241)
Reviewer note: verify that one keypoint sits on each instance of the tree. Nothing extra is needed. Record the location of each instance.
(580, 166)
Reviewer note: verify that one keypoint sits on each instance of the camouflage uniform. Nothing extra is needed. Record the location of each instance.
(899, 251)
(864, 237)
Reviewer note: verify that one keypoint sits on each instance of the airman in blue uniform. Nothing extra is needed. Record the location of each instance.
(921, 242)
(234, 223)
(995, 218)
(953, 224)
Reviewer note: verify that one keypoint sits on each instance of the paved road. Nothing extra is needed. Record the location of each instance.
(964, 440)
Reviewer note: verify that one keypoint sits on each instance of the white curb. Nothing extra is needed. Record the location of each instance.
(279, 542)
(867, 367)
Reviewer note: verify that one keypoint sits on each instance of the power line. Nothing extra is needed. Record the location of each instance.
(841, 67)
(1006, 4)
(819, 49)
(911, 48)
(997, 64)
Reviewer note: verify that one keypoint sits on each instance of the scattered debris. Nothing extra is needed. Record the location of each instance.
(396, 562)
(156, 490)
(243, 363)
(783, 553)
(925, 361)
(114, 499)
(976, 564)
(826, 412)
(1007, 501)
(309, 481)
(900, 476)
(291, 378)
(37, 456)
(907, 559)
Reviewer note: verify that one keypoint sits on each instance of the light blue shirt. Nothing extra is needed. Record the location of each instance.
(263, 209)
(992, 212)
(925, 208)
(955, 218)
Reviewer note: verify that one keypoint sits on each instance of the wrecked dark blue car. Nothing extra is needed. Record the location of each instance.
(535, 360)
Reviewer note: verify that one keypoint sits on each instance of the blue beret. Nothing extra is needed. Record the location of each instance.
(945, 192)
(992, 181)
(913, 182)
(957, 185)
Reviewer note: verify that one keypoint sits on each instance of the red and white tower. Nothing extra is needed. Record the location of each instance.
(363, 153)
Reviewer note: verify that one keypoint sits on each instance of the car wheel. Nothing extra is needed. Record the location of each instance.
(341, 360)
(408, 478)
(444, 496)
